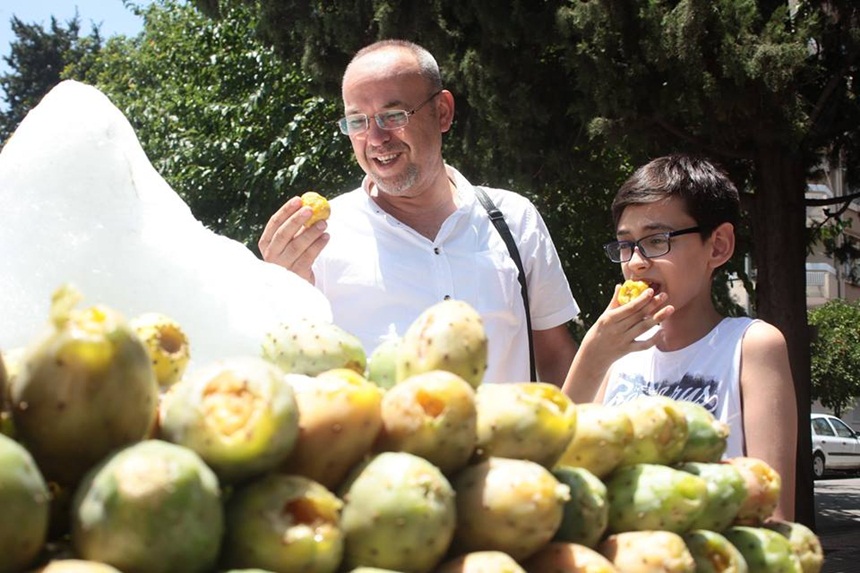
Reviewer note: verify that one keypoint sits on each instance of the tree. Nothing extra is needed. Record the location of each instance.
(836, 354)
(37, 59)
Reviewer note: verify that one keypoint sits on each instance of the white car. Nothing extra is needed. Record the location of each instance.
(835, 446)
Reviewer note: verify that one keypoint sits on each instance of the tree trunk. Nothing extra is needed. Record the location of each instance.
(779, 230)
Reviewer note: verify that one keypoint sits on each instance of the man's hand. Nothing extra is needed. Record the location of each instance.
(287, 242)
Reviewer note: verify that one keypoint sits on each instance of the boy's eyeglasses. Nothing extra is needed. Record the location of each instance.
(655, 245)
(392, 119)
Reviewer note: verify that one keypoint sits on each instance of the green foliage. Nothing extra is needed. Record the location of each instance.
(836, 354)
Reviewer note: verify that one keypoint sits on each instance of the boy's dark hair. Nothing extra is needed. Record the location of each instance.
(709, 195)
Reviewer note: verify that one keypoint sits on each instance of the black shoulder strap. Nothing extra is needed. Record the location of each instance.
(498, 220)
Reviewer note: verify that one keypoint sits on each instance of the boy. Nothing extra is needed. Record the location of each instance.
(675, 219)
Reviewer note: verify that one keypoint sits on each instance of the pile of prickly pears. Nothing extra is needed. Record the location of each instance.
(314, 457)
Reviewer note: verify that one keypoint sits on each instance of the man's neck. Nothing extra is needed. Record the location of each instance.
(424, 213)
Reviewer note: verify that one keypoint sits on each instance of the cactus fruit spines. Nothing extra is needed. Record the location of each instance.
(764, 550)
(382, 362)
(558, 556)
(659, 430)
(311, 346)
(648, 552)
(586, 513)
(707, 436)
(713, 553)
(726, 493)
(763, 486)
(600, 438)
(448, 335)
(803, 541)
(166, 343)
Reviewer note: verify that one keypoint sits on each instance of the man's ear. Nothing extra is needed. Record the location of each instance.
(722, 244)
(446, 110)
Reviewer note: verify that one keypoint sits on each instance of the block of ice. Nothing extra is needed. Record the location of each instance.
(82, 204)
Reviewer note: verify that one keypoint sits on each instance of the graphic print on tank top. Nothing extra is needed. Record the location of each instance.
(690, 388)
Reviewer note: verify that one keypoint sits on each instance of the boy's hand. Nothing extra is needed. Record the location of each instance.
(287, 242)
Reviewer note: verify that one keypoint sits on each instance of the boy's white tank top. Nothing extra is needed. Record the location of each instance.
(706, 372)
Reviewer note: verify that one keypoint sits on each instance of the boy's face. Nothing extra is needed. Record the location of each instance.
(684, 273)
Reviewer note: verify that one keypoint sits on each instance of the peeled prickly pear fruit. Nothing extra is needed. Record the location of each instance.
(763, 486)
(382, 363)
(77, 566)
(320, 209)
(764, 550)
(650, 496)
(600, 439)
(447, 336)
(586, 513)
(152, 506)
(648, 552)
(508, 505)
(713, 553)
(166, 343)
(284, 523)
(309, 346)
(659, 431)
(432, 415)
(25, 503)
(524, 420)
(398, 514)
(84, 389)
(560, 557)
(804, 542)
(707, 437)
(237, 414)
(481, 562)
(339, 419)
(726, 493)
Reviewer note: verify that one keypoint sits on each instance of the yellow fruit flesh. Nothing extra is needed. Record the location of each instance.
(630, 290)
(319, 206)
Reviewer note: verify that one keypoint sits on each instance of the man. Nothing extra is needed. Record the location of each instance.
(414, 233)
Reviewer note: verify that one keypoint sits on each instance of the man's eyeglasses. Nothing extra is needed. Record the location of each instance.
(388, 120)
(655, 245)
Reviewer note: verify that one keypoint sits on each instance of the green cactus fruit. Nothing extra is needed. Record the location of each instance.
(382, 363)
(481, 562)
(707, 437)
(524, 420)
(432, 415)
(312, 346)
(6, 425)
(659, 431)
(764, 550)
(152, 506)
(25, 503)
(83, 389)
(561, 557)
(398, 514)
(586, 513)
(166, 343)
(804, 542)
(713, 553)
(237, 414)
(283, 523)
(763, 486)
(648, 552)
(509, 505)
(726, 493)
(447, 336)
(77, 566)
(650, 496)
(339, 419)
(600, 439)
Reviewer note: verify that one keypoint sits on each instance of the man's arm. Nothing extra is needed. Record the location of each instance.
(554, 351)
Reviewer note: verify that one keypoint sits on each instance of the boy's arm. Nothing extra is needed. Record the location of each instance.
(769, 407)
(554, 350)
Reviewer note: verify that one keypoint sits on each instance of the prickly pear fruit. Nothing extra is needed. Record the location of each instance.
(432, 415)
(764, 550)
(659, 431)
(339, 419)
(382, 363)
(309, 346)
(524, 420)
(804, 542)
(650, 496)
(560, 557)
(713, 553)
(25, 503)
(707, 437)
(6, 426)
(77, 566)
(284, 523)
(481, 562)
(508, 505)
(648, 552)
(726, 493)
(237, 414)
(152, 506)
(398, 514)
(630, 289)
(450, 336)
(586, 513)
(166, 343)
(320, 209)
(763, 486)
(83, 389)
(600, 439)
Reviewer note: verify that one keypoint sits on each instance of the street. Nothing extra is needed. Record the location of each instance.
(837, 520)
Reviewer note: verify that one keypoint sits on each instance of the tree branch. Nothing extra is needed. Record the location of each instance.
(846, 199)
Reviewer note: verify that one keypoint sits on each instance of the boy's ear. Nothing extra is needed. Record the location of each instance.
(722, 244)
